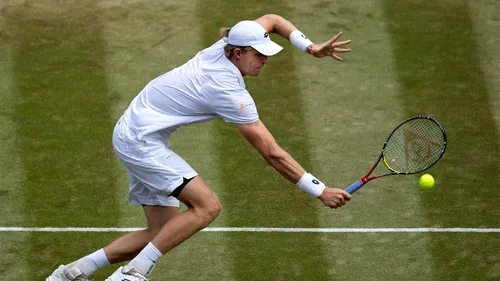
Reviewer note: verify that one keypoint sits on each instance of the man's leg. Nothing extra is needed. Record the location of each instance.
(203, 207)
(129, 245)
(122, 249)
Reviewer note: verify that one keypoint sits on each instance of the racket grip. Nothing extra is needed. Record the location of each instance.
(353, 187)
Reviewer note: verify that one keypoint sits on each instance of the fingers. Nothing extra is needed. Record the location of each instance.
(330, 47)
(341, 50)
(347, 195)
(338, 205)
(342, 43)
(335, 197)
(337, 57)
(335, 38)
(340, 202)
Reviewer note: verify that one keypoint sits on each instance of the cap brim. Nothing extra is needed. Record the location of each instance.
(268, 49)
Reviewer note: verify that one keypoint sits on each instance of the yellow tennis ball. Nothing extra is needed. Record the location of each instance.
(426, 181)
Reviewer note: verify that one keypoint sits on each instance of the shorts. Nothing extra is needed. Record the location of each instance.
(153, 169)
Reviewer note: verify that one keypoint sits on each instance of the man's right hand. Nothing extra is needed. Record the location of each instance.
(334, 197)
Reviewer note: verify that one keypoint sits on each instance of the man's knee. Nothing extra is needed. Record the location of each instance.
(215, 207)
(210, 210)
(198, 196)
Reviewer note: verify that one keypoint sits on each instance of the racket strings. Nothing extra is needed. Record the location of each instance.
(414, 146)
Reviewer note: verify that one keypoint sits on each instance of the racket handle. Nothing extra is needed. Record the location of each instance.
(353, 187)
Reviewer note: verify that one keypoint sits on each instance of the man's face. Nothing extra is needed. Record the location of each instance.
(251, 62)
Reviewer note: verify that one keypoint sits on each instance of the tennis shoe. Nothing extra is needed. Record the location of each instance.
(126, 274)
(71, 274)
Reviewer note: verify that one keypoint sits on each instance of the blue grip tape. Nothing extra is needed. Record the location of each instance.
(353, 187)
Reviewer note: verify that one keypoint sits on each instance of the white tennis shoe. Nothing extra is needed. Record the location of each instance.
(73, 274)
(126, 274)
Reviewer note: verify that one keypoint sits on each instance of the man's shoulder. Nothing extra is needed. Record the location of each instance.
(224, 76)
(225, 81)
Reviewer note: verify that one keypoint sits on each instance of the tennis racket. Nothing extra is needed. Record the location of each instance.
(412, 147)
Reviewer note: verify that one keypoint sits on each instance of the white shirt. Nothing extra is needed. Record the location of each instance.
(205, 87)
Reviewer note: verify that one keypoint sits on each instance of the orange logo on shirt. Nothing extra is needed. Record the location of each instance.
(242, 105)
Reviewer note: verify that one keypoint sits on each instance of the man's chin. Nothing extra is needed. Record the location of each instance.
(255, 74)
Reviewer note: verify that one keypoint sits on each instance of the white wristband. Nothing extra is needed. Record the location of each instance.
(299, 40)
(311, 185)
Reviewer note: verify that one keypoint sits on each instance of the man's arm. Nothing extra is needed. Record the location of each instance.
(276, 24)
(260, 138)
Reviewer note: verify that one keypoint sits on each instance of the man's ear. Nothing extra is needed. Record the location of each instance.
(237, 53)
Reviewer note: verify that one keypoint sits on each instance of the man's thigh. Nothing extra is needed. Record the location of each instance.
(157, 216)
(197, 193)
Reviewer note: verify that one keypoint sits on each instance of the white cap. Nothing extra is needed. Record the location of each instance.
(250, 33)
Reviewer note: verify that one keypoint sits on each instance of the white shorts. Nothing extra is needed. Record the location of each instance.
(153, 169)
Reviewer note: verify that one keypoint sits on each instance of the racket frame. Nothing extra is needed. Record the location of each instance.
(361, 182)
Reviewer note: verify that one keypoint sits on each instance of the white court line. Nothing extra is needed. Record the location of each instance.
(260, 229)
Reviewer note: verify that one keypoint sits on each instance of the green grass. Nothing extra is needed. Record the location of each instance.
(242, 197)
(63, 123)
(69, 69)
(428, 76)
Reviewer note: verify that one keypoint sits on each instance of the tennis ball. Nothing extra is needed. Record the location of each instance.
(426, 181)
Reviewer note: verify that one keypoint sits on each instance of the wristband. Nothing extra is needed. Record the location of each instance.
(311, 185)
(299, 40)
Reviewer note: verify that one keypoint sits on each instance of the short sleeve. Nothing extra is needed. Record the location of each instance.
(232, 102)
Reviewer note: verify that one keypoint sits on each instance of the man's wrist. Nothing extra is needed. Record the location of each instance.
(309, 50)
(300, 41)
(311, 185)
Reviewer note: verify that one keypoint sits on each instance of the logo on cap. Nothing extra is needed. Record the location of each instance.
(266, 34)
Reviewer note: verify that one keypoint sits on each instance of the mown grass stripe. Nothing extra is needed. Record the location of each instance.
(144, 41)
(352, 106)
(431, 40)
(62, 115)
(252, 192)
(264, 229)
(11, 170)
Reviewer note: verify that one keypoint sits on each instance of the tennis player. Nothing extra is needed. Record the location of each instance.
(208, 86)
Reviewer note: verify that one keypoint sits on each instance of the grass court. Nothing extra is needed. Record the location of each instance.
(68, 69)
